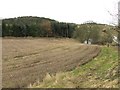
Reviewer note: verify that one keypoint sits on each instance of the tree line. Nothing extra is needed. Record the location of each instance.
(44, 27)
(36, 27)
(93, 33)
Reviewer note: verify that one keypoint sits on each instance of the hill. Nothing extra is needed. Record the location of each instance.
(29, 26)
(36, 27)
(95, 33)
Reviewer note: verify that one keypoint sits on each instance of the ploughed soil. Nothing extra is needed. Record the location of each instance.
(26, 61)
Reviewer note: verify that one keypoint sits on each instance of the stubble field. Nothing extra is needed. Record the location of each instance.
(26, 61)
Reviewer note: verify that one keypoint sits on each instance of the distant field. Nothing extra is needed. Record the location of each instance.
(26, 61)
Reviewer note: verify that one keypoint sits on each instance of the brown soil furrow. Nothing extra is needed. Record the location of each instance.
(41, 59)
(21, 71)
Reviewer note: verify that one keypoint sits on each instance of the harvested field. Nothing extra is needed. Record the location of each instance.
(26, 61)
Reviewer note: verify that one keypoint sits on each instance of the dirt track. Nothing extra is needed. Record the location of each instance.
(27, 60)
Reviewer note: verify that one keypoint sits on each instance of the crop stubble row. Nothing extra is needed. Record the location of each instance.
(58, 56)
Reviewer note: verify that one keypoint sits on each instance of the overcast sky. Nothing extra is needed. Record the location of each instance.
(74, 11)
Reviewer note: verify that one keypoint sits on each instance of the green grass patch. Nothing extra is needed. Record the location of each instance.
(107, 59)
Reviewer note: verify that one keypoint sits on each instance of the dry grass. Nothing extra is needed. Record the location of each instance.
(26, 61)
